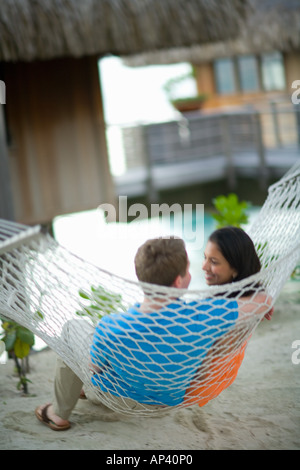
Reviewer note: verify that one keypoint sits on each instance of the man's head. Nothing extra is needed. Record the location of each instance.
(163, 261)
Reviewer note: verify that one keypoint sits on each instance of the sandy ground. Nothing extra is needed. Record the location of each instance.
(261, 410)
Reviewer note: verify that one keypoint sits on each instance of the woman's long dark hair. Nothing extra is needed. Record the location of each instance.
(239, 250)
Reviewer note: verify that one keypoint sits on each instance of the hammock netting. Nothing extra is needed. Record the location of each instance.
(185, 349)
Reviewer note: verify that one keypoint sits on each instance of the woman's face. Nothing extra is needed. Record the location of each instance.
(216, 267)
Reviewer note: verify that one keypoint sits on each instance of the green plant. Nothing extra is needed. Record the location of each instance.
(296, 273)
(98, 302)
(18, 341)
(230, 211)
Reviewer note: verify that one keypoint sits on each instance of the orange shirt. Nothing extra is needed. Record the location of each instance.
(222, 373)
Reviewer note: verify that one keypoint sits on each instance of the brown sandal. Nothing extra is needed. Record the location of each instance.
(43, 418)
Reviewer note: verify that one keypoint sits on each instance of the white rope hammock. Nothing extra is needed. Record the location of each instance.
(185, 353)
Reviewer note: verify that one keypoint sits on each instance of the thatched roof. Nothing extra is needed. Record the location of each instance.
(270, 25)
(45, 29)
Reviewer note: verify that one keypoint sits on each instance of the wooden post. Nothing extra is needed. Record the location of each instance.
(297, 114)
(275, 123)
(6, 200)
(227, 147)
(262, 167)
(152, 193)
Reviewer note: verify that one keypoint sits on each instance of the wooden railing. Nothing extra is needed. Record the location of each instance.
(257, 143)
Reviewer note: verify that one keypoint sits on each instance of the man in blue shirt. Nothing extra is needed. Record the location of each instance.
(152, 352)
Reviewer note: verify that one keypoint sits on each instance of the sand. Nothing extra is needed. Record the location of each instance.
(261, 409)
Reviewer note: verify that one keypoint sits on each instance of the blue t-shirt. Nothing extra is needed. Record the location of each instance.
(153, 357)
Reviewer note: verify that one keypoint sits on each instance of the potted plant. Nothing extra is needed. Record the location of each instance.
(189, 103)
(176, 90)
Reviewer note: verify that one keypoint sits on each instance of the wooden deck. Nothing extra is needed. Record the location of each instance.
(142, 180)
(213, 148)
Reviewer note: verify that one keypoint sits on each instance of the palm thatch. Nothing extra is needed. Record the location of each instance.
(45, 29)
(270, 25)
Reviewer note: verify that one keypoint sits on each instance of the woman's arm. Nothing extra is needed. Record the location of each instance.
(259, 303)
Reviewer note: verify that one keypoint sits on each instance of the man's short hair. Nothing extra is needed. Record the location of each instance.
(161, 260)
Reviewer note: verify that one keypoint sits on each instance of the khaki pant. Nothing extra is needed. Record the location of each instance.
(67, 388)
(77, 336)
(67, 385)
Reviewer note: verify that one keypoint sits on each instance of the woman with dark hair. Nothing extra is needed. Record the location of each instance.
(230, 256)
